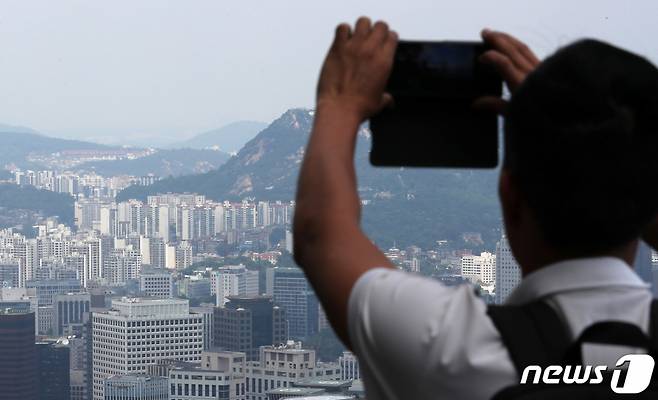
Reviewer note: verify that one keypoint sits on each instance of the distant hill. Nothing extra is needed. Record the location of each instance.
(407, 206)
(229, 138)
(16, 145)
(13, 197)
(162, 163)
(16, 129)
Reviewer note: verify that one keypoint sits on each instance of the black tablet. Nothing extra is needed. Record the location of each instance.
(433, 123)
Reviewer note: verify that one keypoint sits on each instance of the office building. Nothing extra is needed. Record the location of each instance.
(54, 370)
(293, 292)
(11, 275)
(18, 355)
(45, 318)
(283, 365)
(20, 300)
(156, 283)
(69, 309)
(194, 287)
(508, 272)
(207, 312)
(220, 375)
(138, 332)
(312, 388)
(47, 289)
(349, 366)
(245, 324)
(78, 385)
(80, 360)
(135, 387)
(233, 280)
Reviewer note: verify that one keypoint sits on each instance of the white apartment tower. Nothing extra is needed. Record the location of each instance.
(137, 332)
(479, 269)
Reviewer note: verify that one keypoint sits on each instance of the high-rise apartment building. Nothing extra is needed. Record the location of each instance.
(183, 254)
(508, 272)
(122, 265)
(138, 332)
(479, 269)
(158, 252)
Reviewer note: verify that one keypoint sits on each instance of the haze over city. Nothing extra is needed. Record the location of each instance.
(153, 72)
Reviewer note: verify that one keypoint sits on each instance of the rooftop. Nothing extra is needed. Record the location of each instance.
(323, 383)
(296, 391)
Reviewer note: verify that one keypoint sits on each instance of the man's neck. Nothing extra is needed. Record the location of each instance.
(546, 257)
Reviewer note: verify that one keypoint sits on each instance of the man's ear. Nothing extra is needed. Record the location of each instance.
(510, 199)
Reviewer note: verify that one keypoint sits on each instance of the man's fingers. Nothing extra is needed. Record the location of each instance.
(504, 44)
(390, 44)
(379, 32)
(362, 28)
(523, 49)
(343, 33)
(490, 104)
(505, 67)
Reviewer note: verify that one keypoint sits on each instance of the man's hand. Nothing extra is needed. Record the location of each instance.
(650, 235)
(512, 59)
(356, 70)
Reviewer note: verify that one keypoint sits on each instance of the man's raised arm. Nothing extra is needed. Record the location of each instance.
(329, 243)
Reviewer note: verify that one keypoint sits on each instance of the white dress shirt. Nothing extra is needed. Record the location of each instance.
(419, 339)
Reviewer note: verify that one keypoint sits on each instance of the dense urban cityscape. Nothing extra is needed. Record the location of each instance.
(180, 297)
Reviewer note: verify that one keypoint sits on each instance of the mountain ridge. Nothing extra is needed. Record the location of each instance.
(17, 146)
(229, 138)
(422, 205)
(170, 162)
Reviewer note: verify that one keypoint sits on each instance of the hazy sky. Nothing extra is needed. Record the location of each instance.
(115, 69)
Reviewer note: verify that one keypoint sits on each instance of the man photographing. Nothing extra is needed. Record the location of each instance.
(577, 190)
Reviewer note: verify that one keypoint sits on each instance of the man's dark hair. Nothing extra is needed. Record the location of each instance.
(581, 142)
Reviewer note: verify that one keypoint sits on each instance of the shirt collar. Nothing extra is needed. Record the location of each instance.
(576, 274)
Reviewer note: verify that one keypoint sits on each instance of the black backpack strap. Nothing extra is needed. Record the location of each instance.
(533, 333)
